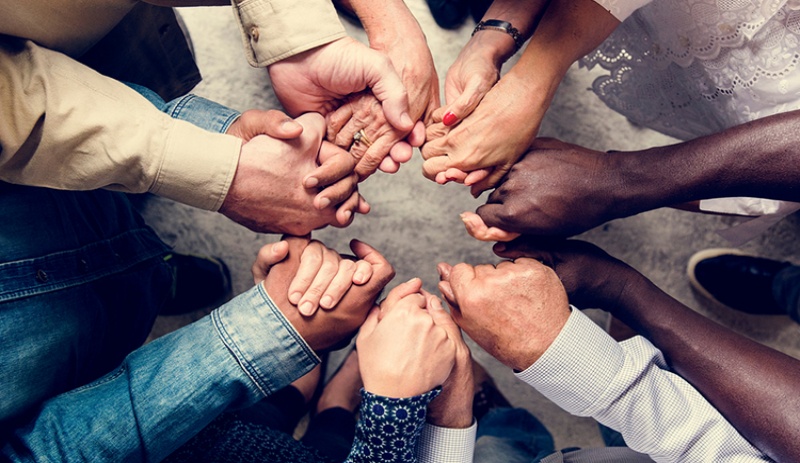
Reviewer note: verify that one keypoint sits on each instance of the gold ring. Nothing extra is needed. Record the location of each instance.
(361, 137)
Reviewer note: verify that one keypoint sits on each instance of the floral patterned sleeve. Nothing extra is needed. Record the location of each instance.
(388, 429)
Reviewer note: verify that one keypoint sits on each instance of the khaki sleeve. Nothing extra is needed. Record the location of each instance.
(65, 126)
(273, 30)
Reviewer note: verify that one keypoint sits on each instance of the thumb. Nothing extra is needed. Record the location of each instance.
(272, 123)
(478, 229)
(466, 102)
(268, 256)
(387, 87)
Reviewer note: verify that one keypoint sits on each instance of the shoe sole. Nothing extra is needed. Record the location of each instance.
(708, 254)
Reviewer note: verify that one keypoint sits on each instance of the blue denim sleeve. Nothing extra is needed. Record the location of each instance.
(199, 111)
(168, 390)
(388, 429)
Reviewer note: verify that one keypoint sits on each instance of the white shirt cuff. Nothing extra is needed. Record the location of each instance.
(621, 9)
(446, 445)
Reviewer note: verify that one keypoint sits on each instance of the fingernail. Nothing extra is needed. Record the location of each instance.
(326, 302)
(499, 247)
(347, 214)
(405, 119)
(324, 202)
(294, 298)
(307, 308)
(311, 182)
(358, 278)
(412, 280)
(449, 119)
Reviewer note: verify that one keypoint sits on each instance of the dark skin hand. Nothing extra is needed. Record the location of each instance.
(326, 328)
(563, 189)
(754, 387)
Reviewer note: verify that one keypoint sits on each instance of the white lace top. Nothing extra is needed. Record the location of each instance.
(688, 68)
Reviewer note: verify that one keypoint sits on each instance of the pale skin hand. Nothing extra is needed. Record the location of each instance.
(393, 31)
(318, 79)
(518, 327)
(276, 185)
(402, 350)
(327, 328)
(322, 279)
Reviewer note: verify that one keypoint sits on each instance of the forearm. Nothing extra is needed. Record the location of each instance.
(72, 128)
(627, 387)
(758, 159)
(168, 390)
(387, 23)
(754, 387)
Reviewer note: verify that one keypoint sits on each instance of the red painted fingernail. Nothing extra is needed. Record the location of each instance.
(449, 119)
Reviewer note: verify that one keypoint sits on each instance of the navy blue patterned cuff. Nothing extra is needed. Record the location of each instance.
(388, 429)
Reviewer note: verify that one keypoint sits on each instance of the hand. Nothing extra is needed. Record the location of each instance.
(326, 328)
(591, 277)
(316, 80)
(559, 189)
(453, 407)
(402, 351)
(363, 111)
(514, 311)
(493, 137)
(323, 278)
(275, 188)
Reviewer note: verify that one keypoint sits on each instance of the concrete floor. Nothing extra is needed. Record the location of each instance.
(415, 222)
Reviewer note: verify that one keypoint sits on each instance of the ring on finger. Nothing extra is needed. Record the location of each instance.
(361, 137)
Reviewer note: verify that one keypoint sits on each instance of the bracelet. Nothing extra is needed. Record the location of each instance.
(502, 26)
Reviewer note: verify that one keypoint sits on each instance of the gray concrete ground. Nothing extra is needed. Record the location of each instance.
(416, 224)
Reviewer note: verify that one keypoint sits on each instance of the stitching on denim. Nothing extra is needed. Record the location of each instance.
(105, 379)
(219, 325)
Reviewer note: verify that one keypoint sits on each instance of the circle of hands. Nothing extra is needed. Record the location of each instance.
(408, 343)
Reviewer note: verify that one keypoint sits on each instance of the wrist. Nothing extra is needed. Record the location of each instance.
(494, 46)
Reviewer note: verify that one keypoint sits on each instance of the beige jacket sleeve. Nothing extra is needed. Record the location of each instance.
(273, 30)
(65, 126)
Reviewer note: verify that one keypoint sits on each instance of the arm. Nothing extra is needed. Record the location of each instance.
(534, 331)
(60, 114)
(632, 390)
(540, 194)
(507, 119)
(750, 384)
(223, 361)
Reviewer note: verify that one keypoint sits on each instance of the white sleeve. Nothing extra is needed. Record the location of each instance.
(446, 445)
(621, 9)
(627, 386)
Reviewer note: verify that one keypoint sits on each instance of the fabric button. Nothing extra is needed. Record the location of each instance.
(41, 276)
(254, 33)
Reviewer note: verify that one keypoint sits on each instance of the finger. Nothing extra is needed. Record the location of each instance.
(268, 256)
(444, 270)
(455, 175)
(434, 165)
(417, 136)
(490, 181)
(336, 194)
(437, 114)
(466, 102)
(336, 121)
(345, 212)
(401, 152)
(389, 165)
(362, 273)
(273, 123)
(313, 130)
(335, 164)
(382, 270)
(461, 278)
(327, 272)
(441, 178)
(443, 319)
(433, 133)
(387, 86)
(401, 291)
(525, 247)
(371, 158)
(339, 285)
(363, 205)
(447, 292)
(476, 176)
(310, 263)
(480, 231)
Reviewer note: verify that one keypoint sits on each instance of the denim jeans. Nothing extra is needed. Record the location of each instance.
(81, 281)
(786, 290)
